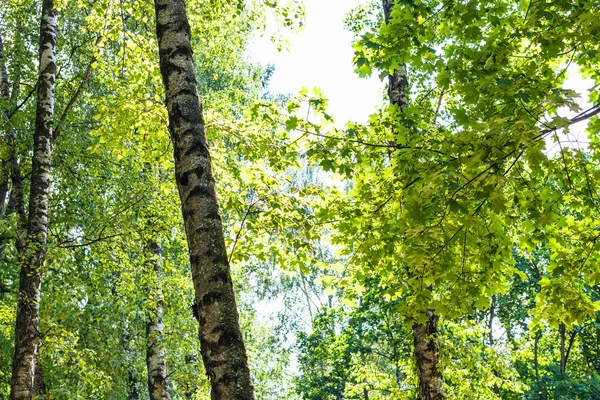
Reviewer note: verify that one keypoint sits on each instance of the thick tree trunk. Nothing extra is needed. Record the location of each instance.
(426, 349)
(26, 329)
(427, 357)
(158, 386)
(39, 386)
(221, 338)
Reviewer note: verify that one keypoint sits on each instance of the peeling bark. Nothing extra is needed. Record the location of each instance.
(221, 340)
(158, 385)
(32, 257)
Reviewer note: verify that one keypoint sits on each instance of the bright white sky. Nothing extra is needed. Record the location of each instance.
(321, 56)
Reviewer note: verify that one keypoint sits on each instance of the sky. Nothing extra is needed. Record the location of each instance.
(321, 56)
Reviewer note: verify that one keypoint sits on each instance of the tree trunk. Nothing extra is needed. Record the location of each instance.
(26, 328)
(491, 336)
(39, 386)
(158, 386)
(221, 340)
(132, 380)
(4, 98)
(398, 80)
(563, 358)
(536, 364)
(427, 357)
(426, 349)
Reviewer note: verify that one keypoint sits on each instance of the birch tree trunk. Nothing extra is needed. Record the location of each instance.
(4, 100)
(426, 348)
(158, 385)
(32, 258)
(221, 340)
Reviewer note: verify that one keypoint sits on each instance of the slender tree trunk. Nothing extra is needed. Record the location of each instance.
(26, 329)
(572, 337)
(426, 349)
(132, 380)
(3, 190)
(5, 99)
(536, 364)
(158, 385)
(491, 336)
(221, 340)
(563, 358)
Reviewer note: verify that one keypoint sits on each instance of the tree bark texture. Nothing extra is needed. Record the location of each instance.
(426, 349)
(427, 357)
(158, 385)
(398, 80)
(32, 258)
(221, 340)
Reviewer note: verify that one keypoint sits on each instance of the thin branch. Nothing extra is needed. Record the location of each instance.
(239, 232)
(75, 96)
(18, 107)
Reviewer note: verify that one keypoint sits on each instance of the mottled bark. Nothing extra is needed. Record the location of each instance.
(427, 357)
(221, 340)
(39, 386)
(158, 385)
(398, 80)
(426, 349)
(32, 258)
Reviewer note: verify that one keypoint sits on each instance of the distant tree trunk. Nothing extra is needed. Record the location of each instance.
(221, 340)
(426, 348)
(3, 188)
(536, 341)
(4, 98)
(158, 386)
(132, 388)
(26, 328)
(134, 393)
(491, 335)
(563, 358)
(565, 349)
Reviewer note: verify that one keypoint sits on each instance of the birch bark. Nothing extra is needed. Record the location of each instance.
(221, 340)
(158, 385)
(32, 258)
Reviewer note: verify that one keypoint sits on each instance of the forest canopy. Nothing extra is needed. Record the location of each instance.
(172, 227)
